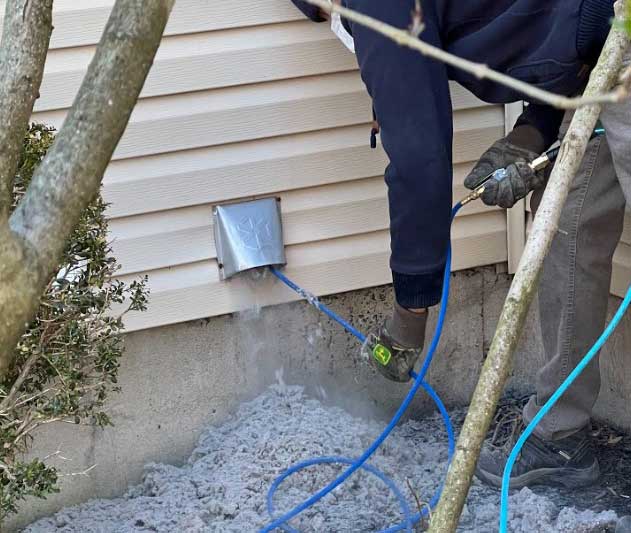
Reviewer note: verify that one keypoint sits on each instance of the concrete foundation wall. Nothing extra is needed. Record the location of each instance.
(178, 379)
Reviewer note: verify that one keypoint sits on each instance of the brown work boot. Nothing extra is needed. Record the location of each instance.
(398, 344)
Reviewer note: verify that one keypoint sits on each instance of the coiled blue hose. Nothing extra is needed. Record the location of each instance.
(356, 464)
(550, 403)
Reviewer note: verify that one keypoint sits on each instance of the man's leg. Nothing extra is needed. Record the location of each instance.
(574, 288)
(574, 292)
(573, 296)
(412, 104)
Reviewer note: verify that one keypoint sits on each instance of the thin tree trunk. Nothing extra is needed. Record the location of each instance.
(70, 175)
(25, 39)
(499, 360)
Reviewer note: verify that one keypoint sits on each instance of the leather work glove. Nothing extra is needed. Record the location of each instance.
(512, 153)
(397, 345)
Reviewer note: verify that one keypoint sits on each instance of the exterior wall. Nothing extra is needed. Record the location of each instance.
(245, 100)
(622, 262)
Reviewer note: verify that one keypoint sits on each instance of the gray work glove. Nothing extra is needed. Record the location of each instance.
(397, 345)
(512, 153)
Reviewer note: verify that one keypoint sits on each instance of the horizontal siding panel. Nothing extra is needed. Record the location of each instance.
(81, 23)
(621, 275)
(326, 267)
(258, 168)
(626, 232)
(224, 116)
(217, 174)
(150, 242)
(211, 60)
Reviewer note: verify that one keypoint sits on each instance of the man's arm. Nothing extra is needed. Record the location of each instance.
(413, 106)
(313, 12)
(545, 119)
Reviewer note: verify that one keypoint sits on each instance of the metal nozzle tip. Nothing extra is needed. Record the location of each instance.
(473, 195)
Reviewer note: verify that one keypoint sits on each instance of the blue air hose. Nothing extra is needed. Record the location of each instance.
(319, 305)
(403, 504)
(550, 403)
(356, 464)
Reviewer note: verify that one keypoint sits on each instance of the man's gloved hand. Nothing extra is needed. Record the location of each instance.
(513, 153)
(397, 345)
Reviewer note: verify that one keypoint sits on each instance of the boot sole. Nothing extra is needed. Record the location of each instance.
(570, 478)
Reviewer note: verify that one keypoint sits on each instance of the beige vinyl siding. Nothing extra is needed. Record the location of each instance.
(622, 261)
(247, 99)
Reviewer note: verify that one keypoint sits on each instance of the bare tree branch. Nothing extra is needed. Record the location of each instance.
(25, 39)
(15, 388)
(70, 175)
(479, 70)
(499, 360)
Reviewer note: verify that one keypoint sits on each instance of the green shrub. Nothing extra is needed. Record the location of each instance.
(68, 359)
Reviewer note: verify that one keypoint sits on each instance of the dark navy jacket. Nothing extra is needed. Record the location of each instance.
(549, 43)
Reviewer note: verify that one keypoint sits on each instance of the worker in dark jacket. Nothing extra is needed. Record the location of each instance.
(551, 44)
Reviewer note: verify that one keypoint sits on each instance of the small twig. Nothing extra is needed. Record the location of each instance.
(18, 382)
(7, 470)
(417, 26)
(479, 70)
(425, 520)
(56, 454)
(22, 401)
(418, 501)
(510, 420)
(82, 473)
(25, 429)
(61, 378)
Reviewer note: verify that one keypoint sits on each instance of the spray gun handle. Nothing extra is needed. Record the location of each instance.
(537, 164)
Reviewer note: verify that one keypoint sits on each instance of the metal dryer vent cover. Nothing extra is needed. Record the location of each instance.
(248, 235)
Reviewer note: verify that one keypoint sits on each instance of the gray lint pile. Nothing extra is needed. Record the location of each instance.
(223, 486)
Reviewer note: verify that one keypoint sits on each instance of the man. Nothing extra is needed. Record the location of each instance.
(551, 44)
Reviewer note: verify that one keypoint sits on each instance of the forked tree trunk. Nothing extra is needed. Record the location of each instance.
(33, 238)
